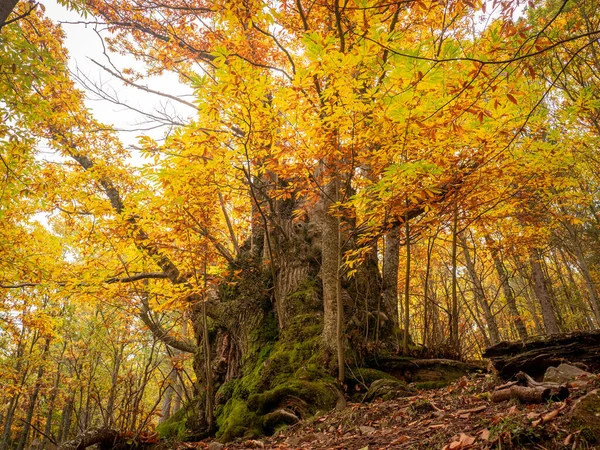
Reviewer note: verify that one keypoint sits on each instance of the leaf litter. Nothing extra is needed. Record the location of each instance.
(457, 417)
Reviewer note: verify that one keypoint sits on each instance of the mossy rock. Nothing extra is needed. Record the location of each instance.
(359, 380)
(387, 389)
(586, 416)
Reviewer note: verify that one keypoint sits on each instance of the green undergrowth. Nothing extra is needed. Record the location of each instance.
(178, 426)
(281, 371)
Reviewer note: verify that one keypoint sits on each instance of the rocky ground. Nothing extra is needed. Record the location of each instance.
(457, 417)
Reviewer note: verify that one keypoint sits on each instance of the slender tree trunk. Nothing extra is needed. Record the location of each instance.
(5, 442)
(406, 289)
(454, 335)
(168, 396)
(112, 395)
(339, 338)
(67, 415)
(34, 396)
(543, 294)
(52, 401)
(391, 260)
(329, 269)
(479, 294)
(589, 281)
(575, 291)
(509, 295)
(583, 265)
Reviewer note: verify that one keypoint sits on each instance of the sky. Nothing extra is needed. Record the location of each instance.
(83, 41)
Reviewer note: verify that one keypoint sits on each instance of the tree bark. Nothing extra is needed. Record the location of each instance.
(543, 294)
(329, 268)
(6, 7)
(391, 261)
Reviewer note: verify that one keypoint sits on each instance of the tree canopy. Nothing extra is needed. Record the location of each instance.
(416, 177)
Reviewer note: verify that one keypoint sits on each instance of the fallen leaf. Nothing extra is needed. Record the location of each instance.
(485, 434)
(400, 440)
(466, 440)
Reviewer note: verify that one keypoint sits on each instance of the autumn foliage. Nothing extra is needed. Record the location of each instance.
(424, 172)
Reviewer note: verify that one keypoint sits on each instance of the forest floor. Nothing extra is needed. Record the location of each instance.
(457, 417)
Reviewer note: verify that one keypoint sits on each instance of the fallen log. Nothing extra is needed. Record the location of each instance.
(524, 393)
(536, 355)
(422, 370)
(527, 390)
(106, 437)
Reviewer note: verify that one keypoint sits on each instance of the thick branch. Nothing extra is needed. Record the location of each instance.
(160, 333)
(138, 277)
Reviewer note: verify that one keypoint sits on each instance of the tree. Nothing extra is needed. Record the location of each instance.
(321, 130)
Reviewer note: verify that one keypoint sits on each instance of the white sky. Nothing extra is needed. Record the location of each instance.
(83, 44)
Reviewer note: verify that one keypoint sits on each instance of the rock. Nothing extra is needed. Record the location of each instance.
(564, 373)
(366, 430)
(215, 446)
(422, 407)
(387, 390)
(585, 415)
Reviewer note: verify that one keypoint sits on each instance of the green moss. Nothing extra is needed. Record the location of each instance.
(180, 424)
(284, 370)
(316, 395)
(361, 378)
(427, 385)
(236, 420)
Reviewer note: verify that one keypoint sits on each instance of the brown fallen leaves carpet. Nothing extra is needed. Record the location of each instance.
(454, 418)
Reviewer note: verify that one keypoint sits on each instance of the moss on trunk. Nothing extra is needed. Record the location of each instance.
(278, 373)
